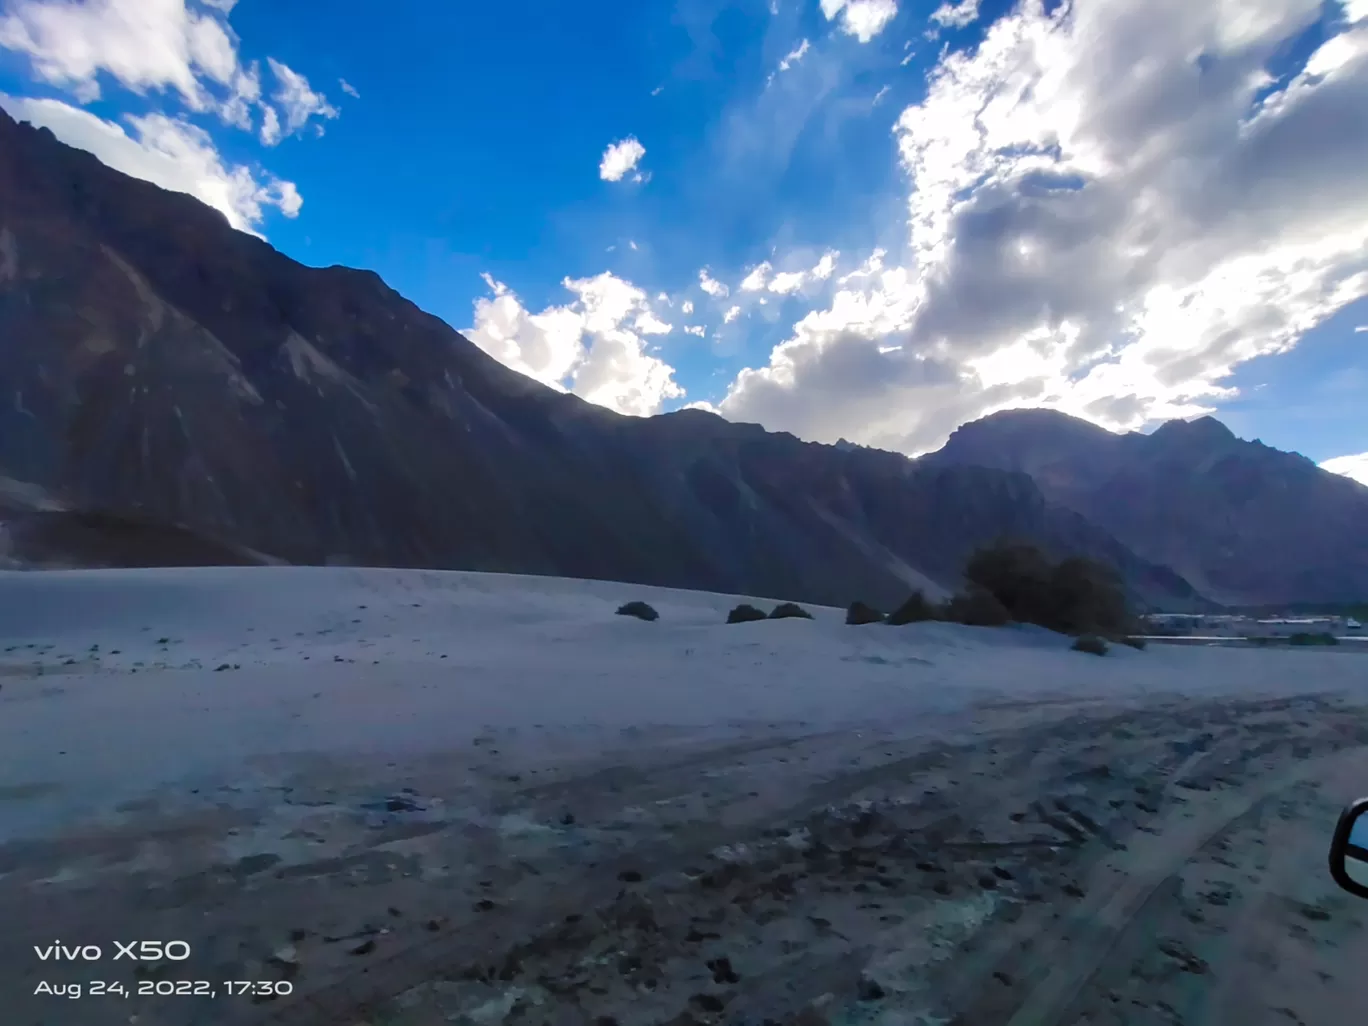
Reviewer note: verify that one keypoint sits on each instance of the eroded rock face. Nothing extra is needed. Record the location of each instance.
(159, 364)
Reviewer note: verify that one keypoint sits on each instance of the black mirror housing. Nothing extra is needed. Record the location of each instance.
(1349, 849)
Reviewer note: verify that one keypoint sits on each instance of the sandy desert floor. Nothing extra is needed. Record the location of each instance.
(421, 798)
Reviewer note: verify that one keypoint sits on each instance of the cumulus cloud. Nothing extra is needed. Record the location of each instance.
(956, 15)
(695, 329)
(732, 314)
(711, 285)
(145, 45)
(167, 152)
(620, 158)
(762, 277)
(348, 88)
(687, 306)
(591, 346)
(863, 19)
(1112, 205)
(1354, 467)
(756, 279)
(649, 324)
(176, 47)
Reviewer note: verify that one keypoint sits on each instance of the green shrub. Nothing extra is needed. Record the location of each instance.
(1087, 597)
(789, 611)
(1074, 596)
(1017, 575)
(745, 614)
(1134, 642)
(640, 610)
(915, 610)
(1091, 644)
(976, 607)
(859, 614)
(1322, 638)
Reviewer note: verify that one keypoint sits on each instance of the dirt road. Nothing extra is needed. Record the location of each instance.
(1025, 864)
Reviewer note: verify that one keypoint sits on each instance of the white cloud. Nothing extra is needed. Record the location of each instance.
(956, 15)
(154, 46)
(732, 314)
(711, 285)
(236, 109)
(296, 100)
(167, 152)
(1355, 467)
(1112, 207)
(795, 55)
(271, 132)
(687, 306)
(786, 282)
(143, 44)
(863, 19)
(1362, 327)
(695, 329)
(755, 280)
(585, 346)
(348, 88)
(649, 324)
(620, 158)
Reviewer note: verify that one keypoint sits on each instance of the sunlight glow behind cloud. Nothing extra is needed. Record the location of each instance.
(168, 152)
(1353, 467)
(1091, 232)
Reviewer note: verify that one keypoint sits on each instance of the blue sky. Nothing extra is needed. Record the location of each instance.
(871, 219)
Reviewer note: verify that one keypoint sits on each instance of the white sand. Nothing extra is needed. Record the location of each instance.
(406, 662)
(539, 746)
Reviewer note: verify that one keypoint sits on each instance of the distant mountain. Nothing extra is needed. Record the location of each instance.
(1245, 523)
(158, 367)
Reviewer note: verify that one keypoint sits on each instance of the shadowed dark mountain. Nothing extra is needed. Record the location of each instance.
(159, 367)
(1246, 524)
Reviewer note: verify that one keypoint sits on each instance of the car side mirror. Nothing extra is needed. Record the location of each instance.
(1349, 849)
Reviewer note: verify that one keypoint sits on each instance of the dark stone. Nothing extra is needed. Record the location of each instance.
(869, 989)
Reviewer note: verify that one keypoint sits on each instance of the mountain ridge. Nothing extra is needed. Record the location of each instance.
(166, 367)
(1247, 524)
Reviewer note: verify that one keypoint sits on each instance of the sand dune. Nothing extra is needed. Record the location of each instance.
(242, 756)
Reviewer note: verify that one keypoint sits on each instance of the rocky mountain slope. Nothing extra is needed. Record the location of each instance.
(159, 366)
(1245, 523)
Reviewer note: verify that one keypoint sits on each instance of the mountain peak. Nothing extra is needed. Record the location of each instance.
(1207, 429)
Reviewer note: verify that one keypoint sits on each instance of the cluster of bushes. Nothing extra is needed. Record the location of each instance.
(1016, 582)
(741, 614)
(1005, 582)
(784, 611)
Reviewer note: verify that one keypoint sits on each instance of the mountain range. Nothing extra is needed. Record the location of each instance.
(174, 390)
